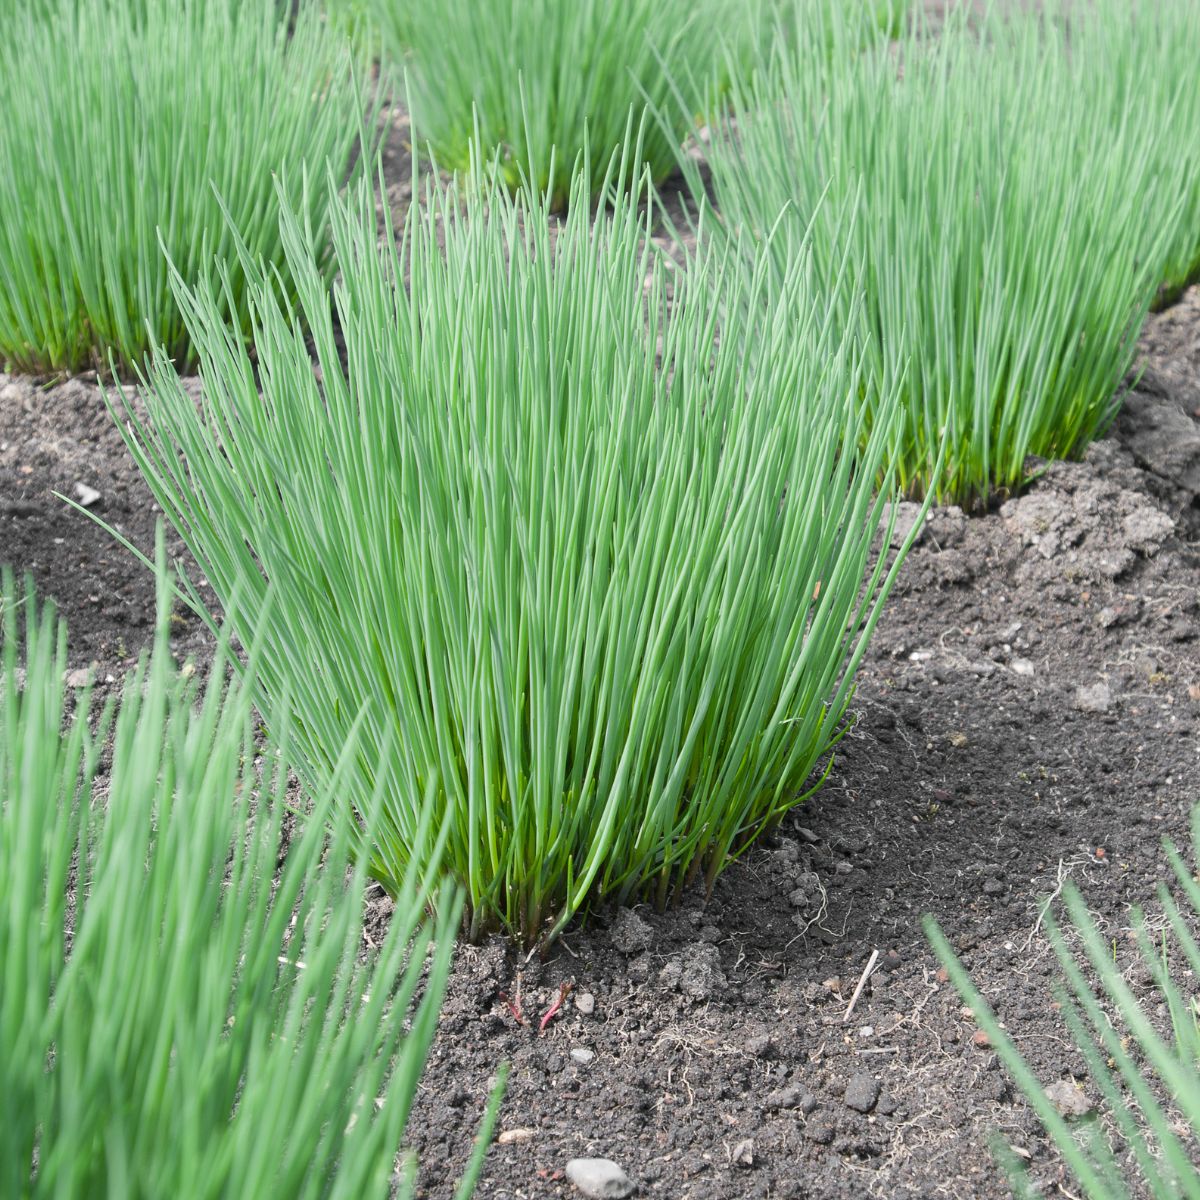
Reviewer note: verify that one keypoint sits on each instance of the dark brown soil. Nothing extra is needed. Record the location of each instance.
(1032, 697)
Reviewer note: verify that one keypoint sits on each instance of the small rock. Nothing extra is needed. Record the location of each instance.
(743, 1153)
(514, 1137)
(585, 1002)
(697, 972)
(582, 1056)
(87, 496)
(862, 1093)
(821, 1131)
(599, 1177)
(631, 934)
(1068, 1099)
(79, 678)
(980, 1039)
(1021, 666)
(887, 1105)
(993, 887)
(907, 516)
(1146, 529)
(792, 1096)
(1096, 698)
(762, 1046)
(807, 835)
(18, 508)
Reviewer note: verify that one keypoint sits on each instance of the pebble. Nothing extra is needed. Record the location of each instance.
(862, 1093)
(600, 1178)
(792, 1096)
(696, 972)
(631, 934)
(743, 1153)
(762, 1046)
(993, 887)
(1021, 666)
(585, 1002)
(807, 834)
(1068, 1099)
(582, 1056)
(514, 1137)
(1094, 699)
(87, 496)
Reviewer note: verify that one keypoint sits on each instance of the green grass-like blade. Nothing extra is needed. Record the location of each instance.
(585, 544)
(124, 122)
(177, 1016)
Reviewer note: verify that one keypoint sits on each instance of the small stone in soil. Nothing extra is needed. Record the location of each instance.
(631, 934)
(887, 1105)
(1094, 699)
(585, 1002)
(743, 1153)
(514, 1137)
(862, 1093)
(762, 1046)
(697, 972)
(792, 1096)
(1068, 1099)
(821, 1131)
(87, 496)
(600, 1178)
(582, 1056)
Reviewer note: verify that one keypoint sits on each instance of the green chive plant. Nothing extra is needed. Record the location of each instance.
(177, 1016)
(540, 80)
(1002, 222)
(593, 556)
(123, 124)
(1145, 1138)
(1146, 72)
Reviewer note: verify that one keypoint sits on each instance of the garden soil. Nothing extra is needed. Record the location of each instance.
(1027, 714)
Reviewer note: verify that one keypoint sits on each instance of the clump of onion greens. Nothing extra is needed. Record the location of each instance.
(588, 555)
(122, 124)
(542, 80)
(1011, 230)
(178, 1016)
(1144, 1136)
(1144, 75)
